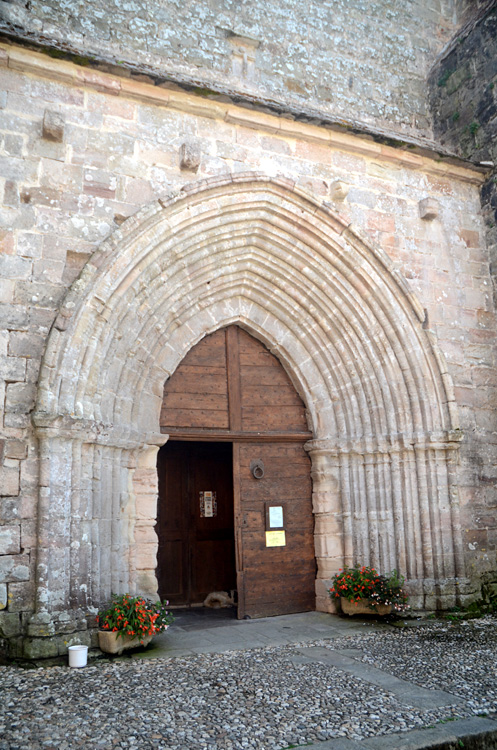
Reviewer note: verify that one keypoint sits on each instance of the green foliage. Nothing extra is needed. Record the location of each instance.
(442, 81)
(204, 91)
(455, 116)
(474, 127)
(487, 605)
(358, 583)
(134, 616)
(60, 54)
(454, 615)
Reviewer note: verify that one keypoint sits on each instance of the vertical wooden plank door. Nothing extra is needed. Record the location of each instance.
(230, 390)
(277, 580)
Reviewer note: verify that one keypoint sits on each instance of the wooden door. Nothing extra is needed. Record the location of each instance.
(275, 580)
(196, 543)
(231, 388)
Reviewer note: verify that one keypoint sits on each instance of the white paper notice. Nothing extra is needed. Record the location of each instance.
(208, 506)
(275, 516)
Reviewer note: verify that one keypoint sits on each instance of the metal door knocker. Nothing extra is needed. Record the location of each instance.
(257, 468)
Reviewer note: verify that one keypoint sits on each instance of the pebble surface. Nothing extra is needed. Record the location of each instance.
(257, 698)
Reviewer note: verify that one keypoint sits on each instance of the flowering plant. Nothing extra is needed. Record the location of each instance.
(366, 583)
(134, 616)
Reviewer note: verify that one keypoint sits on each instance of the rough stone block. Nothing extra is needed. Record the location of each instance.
(15, 268)
(53, 126)
(325, 604)
(139, 191)
(28, 534)
(10, 624)
(9, 481)
(99, 183)
(20, 398)
(48, 270)
(15, 449)
(43, 293)
(429, 208)
(17, 421)
(14, 317)
(9, 509)
(146, 583)
(190, 155)
(21, 597)
(146, 506)
(145, 533)
(40, 648)
(12, 368)
(6, 291)
(19, 170)
(75, 639)
(14, 144)
(3, 595)
(11, 194)
(146, 557)
(338, 190)
(14, 568)
(10, 540)
(26, 344)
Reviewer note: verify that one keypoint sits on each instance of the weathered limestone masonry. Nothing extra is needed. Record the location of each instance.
(463, 96)
(136, 219)
(358, 61)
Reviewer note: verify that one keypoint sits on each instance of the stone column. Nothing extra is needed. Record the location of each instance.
(328, 518)
(144, 542)
(96, 513)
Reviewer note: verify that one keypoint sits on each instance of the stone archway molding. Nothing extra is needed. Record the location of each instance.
(263, 254)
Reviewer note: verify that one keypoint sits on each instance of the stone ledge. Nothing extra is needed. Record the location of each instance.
(350, 137)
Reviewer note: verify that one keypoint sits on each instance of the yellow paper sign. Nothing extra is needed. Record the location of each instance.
(275, 539)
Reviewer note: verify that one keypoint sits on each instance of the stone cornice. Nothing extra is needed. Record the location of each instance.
(93, 432)
(387, 444)
(427, 156)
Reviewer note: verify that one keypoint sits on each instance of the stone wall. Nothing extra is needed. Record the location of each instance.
(81, 152)
(355, 61)
(463, 97)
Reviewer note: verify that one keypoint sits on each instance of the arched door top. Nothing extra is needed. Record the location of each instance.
(260, 253)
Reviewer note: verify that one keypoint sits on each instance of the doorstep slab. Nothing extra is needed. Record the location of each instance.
(188, 636)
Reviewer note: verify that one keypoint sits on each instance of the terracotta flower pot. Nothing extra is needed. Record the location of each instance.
(109, 642)
(363, 607)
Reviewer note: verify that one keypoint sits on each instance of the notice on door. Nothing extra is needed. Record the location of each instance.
(208, 504)
(275, 539)
(275, 513)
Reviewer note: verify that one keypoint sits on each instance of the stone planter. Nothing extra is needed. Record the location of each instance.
(363, 607)
(111, 644)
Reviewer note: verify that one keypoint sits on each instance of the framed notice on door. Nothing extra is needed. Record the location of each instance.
(275, 526)
(208, 504)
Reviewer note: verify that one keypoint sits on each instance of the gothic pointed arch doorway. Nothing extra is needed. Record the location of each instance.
(256, 252)
(235, 509)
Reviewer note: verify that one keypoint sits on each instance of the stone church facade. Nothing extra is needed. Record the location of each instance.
(165, 176)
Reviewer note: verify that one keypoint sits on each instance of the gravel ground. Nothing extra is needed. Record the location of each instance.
(248, 699)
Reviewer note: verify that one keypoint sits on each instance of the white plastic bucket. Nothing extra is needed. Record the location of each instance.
(78, 656)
